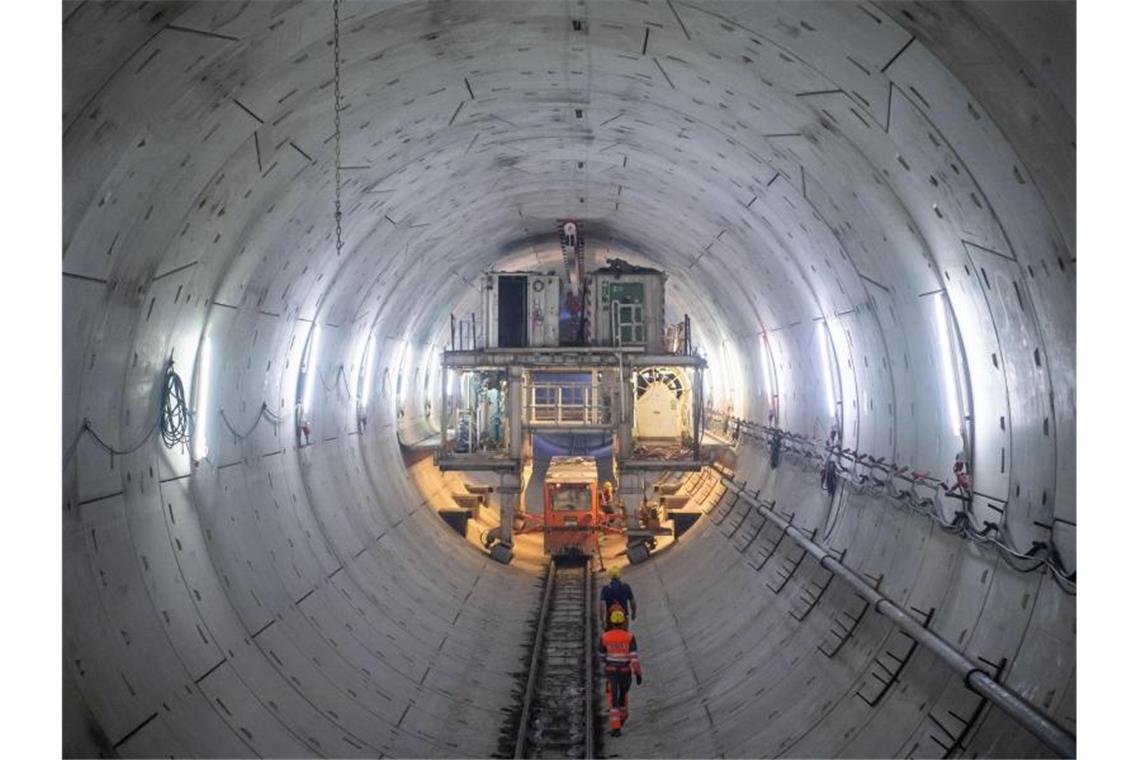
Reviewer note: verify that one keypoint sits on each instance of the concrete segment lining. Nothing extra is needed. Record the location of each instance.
(844, 159)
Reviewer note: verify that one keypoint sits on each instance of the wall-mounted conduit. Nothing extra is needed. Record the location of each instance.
(976, 678)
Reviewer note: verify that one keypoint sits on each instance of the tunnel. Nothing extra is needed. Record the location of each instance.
(867, 209)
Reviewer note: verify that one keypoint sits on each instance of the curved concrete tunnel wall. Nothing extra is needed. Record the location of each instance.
(781, 162)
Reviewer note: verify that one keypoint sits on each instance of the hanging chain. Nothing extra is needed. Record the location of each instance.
(336, 116)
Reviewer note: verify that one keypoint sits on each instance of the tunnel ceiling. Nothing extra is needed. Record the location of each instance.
(782, 159)
(781, 162)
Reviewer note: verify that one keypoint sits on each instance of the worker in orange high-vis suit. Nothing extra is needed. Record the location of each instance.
(619, 650)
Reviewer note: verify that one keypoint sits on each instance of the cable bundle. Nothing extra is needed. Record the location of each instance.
(176, 422)
(810, 453)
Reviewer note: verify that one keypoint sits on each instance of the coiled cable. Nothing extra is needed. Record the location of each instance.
(175, 422)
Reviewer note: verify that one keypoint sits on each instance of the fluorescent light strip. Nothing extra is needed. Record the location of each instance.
(366, 385)
(310, 367)
(203, 402)
(765, 369)
(724, 375)
(402, 378)
(825, 365)
(737, 383)
(433, 369)
(942, 306)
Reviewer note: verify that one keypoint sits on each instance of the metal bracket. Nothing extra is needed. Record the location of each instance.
(846, 629)
(892, 668)
(771, 551)
(956, 739)
(815, 590)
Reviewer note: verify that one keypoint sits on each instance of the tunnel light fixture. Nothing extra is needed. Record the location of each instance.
(434, 378)
(737, 381)
(366, 369)
(200, 449)
(767, 375)
(825, 365)
(429, 366)
(949, 363)
(400, 373)
(726, 375)
(766, 368)
(310, 369)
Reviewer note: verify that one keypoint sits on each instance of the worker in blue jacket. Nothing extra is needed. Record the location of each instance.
(617, 595)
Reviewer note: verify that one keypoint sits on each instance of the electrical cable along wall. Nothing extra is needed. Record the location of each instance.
(925, 493)
(174, 420)
(275, 585)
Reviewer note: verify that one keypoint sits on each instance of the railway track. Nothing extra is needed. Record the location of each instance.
(558, 701)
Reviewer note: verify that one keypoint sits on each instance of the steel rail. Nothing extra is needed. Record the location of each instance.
(539, 632)
(588, 655)
(978, 680)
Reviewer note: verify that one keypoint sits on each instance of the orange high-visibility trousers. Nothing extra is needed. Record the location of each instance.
(620, 649)
(617, 698)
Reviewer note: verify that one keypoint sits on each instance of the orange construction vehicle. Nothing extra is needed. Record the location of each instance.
(570, 506)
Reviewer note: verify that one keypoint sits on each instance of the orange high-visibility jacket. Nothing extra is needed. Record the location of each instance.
(620, 650)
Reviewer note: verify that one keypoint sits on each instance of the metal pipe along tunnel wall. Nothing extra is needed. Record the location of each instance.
(837, 192)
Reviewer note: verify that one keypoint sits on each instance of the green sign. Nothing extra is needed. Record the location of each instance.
(623, 292)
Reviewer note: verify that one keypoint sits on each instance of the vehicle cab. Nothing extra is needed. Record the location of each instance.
(570, 506)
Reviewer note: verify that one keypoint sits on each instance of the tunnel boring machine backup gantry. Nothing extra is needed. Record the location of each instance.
(582, 353)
